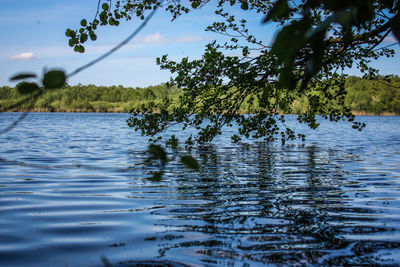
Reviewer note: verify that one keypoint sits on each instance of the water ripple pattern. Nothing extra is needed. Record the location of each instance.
(74, 190)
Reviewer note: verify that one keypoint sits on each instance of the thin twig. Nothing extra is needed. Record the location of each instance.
(124, 42)
(97, 11)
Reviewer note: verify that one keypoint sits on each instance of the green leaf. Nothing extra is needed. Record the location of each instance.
(279, 10)
(244, 5)
(105, 6)
(79, 48)
(27, 88)
(190, 162)
(22, 76)
(68, 33)
(93, 37)
(158, 152)
(83, 23)
(71, 42)
(54, 79)
(195, 4)
(83, 37)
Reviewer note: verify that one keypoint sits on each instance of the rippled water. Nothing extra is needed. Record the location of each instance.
(74, 191)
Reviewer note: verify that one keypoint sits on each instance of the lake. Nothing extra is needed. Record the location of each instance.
(74, 190)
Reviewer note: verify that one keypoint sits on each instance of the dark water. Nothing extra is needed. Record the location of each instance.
(74, 190)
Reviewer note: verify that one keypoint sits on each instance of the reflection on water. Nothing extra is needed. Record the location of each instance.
(265, 205)
(74, 190)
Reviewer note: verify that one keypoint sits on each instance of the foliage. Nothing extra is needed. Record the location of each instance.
(318, 39)
(373, 96)
(88, 98)
(363, 96)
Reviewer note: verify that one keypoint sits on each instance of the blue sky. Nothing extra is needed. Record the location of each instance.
(33, 37)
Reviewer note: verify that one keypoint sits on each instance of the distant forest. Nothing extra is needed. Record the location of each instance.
(363, 97)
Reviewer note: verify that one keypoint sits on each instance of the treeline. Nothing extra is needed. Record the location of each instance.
(88, 98)
(373, 96)
(363, 97)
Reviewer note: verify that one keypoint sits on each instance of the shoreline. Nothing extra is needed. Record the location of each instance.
(355, 113)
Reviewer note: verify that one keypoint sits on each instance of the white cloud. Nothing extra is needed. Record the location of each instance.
(157, 38)
(24, 56)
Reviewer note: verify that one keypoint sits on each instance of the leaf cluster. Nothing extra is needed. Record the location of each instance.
(316, 41)
(52, 79)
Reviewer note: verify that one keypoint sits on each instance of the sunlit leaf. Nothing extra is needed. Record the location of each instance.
(27, 88)
(22, 76)
(190, 162)
(54, 79)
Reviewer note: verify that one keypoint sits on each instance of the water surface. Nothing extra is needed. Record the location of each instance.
(74, 190)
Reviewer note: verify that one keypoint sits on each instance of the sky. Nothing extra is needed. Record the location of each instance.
(33, 38)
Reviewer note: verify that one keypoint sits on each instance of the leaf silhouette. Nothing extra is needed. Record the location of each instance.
(27, 88)
(22, 76)
(54, 79)
(158, 152)
(190, 162)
